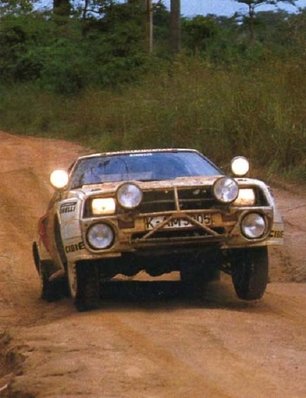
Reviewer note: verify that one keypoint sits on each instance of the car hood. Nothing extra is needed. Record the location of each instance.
(151, 185)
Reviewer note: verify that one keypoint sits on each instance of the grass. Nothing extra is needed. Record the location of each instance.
(257, 111)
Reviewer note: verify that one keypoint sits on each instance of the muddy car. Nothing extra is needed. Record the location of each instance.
(158, 211)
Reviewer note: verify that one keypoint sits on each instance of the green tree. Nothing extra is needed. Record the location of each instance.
(15, 7)
(198, 31)
(68, 57)
(89, 9)
(253, 5)
(62, 7)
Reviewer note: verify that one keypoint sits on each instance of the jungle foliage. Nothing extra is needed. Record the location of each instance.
(84, 73)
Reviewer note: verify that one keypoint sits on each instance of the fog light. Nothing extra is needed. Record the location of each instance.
(240, 166)
(100, 236)
(59, 179)
(253, 226)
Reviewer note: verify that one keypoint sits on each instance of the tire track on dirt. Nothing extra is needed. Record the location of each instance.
(288, 308)
(183, 376)
(224, 371)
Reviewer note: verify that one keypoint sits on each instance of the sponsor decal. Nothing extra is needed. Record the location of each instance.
(277, 234)
(75, 247)
(132, 155)
(68, 207)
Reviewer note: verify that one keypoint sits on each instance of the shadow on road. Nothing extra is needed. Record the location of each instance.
(170, 294)
(128, 296)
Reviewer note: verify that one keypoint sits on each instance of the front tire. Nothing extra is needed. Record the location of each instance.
(84, 286)
(48, 291)
(249, 268)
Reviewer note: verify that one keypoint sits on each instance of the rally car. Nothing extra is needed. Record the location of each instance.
(158, 211)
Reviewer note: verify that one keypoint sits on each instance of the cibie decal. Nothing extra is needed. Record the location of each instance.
(277, 234)
(75, 247)
(68, 207)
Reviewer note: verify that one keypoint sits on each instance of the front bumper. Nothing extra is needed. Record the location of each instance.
(214, 227)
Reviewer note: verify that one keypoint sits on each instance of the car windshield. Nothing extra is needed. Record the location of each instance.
(144, 166)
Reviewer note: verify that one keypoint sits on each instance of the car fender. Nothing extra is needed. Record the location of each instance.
(41, 247)
(69, 214)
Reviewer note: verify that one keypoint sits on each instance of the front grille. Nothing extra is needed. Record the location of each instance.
(177, 199)
(155, 201)
(188, 199)
(183, 233)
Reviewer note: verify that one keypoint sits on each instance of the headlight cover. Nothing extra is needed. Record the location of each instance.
(103, 206)
(225, 189)
(253, 226)
(129, 195)
(100, 236)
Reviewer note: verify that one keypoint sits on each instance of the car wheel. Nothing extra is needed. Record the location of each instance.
(84, 286)
(249, 268)
(49, 290)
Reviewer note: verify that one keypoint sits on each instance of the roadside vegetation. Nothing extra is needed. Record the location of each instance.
(92, 80)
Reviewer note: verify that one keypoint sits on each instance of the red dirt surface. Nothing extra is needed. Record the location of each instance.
(147, 339)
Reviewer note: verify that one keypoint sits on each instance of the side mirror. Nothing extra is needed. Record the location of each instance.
(59, 179)
(240, 166)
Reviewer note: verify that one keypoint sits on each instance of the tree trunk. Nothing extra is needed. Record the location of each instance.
(175, 25)
(149, 25)
(251, 22)
(85, 9)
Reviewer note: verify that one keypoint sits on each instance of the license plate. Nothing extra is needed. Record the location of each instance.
(153, 222)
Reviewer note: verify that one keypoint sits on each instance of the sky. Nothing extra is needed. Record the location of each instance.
(191, 8)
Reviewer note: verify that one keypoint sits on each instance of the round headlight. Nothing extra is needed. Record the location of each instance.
(59, 179)
(129, 195)
(100, 236)
(226, 189)
(240, 166)
(253, 226)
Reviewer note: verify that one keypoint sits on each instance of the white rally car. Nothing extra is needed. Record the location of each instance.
(157, 210)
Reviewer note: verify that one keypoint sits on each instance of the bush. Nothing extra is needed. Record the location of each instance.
(257, 112)
(66, 56)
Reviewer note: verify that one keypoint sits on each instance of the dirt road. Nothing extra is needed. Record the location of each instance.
(147, 339)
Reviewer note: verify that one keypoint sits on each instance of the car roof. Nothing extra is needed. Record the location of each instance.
(138, 151)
